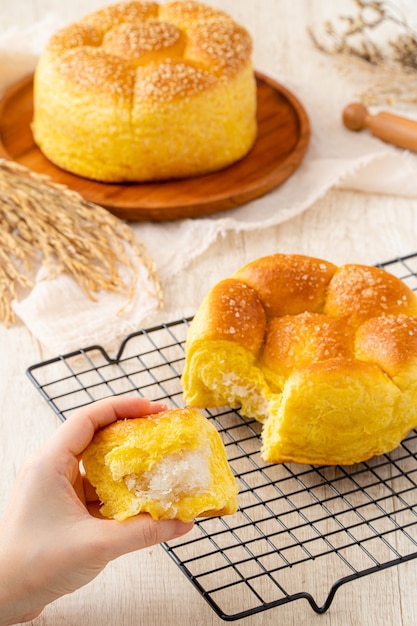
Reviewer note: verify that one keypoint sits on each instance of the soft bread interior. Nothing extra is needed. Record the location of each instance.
(177, 476)
(170, 465)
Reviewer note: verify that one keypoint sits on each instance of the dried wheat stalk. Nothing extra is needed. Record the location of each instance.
(44, 222)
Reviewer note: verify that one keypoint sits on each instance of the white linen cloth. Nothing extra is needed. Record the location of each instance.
(62, 317)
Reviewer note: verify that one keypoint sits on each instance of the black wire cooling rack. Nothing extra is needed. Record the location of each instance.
(297, 526)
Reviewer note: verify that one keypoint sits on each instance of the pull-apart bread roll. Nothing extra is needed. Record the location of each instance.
(170, 465)
(324, 356)
(141, 91)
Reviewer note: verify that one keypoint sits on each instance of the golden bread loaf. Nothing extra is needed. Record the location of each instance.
(142, 91)
(324, 356)
(170, 465)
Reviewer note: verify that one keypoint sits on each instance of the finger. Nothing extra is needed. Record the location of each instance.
(140, 532)
(77, 432)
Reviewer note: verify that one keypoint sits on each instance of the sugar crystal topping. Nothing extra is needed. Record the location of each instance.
(142, 37)
(165, 81)
(213, 48)
(97, 70)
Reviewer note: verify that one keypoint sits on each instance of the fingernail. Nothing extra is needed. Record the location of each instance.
(159, 406)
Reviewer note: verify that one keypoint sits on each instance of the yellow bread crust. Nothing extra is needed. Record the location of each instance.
(360, 292)
(242, 313)
(140, 91)
(334, 412)
(288, 284)
(332, 373)
(135, 447)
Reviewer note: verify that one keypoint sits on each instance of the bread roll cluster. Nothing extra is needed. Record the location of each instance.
(170, 465)
(141, 91)
(324, 356)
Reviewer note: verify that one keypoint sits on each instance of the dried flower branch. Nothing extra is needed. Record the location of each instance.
(42, 222)
(391, 62)
(355, 38)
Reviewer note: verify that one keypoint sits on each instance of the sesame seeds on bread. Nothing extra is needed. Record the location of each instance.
(142, 91)
(324, 356)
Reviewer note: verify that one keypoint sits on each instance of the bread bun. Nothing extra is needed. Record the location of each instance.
(324, 356)
(170, 465)
(141, 91)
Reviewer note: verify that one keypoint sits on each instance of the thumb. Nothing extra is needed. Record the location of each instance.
(140, 532)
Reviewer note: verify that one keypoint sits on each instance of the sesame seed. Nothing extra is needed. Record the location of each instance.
(147, 36)
(161, 51)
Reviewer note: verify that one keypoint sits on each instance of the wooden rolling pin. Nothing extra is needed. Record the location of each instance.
(394, 129)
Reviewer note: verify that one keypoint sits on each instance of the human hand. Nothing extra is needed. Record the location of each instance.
(52, 537)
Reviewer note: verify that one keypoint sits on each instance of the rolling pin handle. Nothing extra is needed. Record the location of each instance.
(355, 116)
(394, 129)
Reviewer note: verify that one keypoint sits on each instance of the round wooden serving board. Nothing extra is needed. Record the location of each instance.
(283, 137)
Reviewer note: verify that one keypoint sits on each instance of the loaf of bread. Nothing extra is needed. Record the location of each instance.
(170, 465)
(324, 356)
(141, 91)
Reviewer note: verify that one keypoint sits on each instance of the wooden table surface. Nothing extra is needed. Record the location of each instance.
(147, 588)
